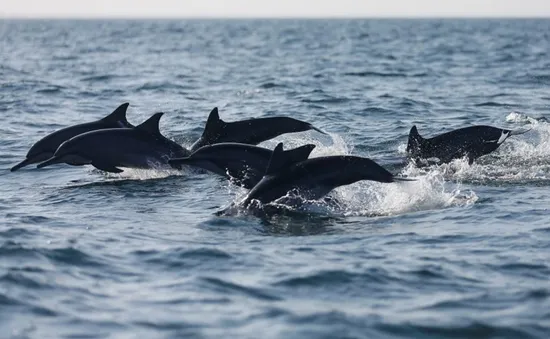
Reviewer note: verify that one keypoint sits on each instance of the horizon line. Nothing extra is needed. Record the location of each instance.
(289, 17)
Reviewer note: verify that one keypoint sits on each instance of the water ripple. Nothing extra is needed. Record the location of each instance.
(461, 252)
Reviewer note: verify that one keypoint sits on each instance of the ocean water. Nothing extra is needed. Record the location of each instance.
(463, 252)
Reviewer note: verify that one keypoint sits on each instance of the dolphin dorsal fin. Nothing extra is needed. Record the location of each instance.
(281, 159)
(213, 124)
(276, 162)
(151, 125)
(296, 155)
(415, 140)
(118, 115)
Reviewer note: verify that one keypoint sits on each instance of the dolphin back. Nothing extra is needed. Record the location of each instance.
(255, 131)
(251, 131)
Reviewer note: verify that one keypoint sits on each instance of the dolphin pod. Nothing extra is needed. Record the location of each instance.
(229, 149)
(244, 164)
(251, 131)
(142, 146)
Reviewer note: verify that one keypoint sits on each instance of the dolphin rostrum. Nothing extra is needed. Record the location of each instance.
(142, 146)
(251, 131)
(46, 147)
(471, 142)
(243, 164)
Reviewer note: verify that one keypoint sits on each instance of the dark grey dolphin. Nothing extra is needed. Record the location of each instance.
(244, 164)
(46, 147)
(140, 147)
(252, 131)
(313, 178)
(471, 142)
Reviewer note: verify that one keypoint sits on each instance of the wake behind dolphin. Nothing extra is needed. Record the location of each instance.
(142, 146)
(252, 131)
(45, 148)
(471, 142)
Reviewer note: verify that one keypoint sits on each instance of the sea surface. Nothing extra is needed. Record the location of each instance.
(463, 252)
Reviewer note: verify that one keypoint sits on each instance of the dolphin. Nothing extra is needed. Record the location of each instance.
(142, 146)
(244, 164)
(313, 178)
(252, 131)
(471, 142)
(46, 147)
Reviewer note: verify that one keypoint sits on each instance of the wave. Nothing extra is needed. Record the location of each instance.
(376, 74)
(225, 286)
(184, 258)
(492, 104)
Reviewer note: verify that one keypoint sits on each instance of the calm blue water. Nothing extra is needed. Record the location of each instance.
(463, 252)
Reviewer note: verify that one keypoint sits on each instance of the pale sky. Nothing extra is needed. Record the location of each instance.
(273, 8)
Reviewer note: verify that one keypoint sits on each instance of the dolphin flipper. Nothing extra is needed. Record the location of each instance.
(106, 167)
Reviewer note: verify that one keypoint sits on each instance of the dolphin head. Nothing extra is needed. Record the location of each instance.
(66, 153)
(40, 151)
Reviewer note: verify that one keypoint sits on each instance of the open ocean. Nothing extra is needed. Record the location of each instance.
(463, 252)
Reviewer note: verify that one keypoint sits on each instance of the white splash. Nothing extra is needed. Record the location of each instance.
(522, 118)
(520, 158)
(338, 145)
(430, 191)
(145, 174)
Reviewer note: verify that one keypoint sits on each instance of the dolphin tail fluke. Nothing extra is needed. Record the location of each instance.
(118, 115)
(520, 131)
(318, 130)
(22, 164)
(53, 160)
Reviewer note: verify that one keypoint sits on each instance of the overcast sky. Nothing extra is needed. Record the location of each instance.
(272, 8)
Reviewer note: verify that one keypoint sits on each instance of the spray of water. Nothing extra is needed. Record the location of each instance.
(369, 198)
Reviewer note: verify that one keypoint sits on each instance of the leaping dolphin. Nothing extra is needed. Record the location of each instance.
(313, 178)
(45, 148)
(142, 146)
(244, 164)
(252, 131)
(471, 142)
